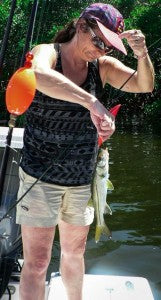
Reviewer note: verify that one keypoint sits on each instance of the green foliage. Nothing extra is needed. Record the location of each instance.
(144, 15)
(53, 15)
(154, 109)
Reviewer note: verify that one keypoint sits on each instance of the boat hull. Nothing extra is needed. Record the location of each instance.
(96, 287)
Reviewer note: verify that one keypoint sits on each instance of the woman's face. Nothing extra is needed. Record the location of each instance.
(88, 41)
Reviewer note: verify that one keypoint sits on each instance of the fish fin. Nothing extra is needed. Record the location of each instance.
(102, 230)
(107, 209)
(110, 186)
(90, 202)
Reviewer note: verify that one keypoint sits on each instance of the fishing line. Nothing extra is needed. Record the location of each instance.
(154, 43)
(27, 46)
(38, 179)
(10, 173)
(65, 150)
(9, 180)
(14, 205)
(9, 293)
(117, 90)
(111, 88)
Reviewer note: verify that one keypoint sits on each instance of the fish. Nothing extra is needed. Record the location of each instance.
(99, 189)
(100, 186)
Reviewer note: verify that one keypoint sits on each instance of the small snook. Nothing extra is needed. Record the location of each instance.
(100, 185)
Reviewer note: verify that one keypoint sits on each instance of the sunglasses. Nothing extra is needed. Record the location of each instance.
(97, 42)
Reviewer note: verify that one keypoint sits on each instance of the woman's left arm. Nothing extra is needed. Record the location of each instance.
(116, 73)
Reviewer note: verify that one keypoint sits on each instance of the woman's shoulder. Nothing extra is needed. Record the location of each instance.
(107, 60)
(44, 53)
(107, 66)
(43, 48)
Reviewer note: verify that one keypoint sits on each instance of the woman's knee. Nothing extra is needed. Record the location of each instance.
(73, 238)
(37, 245)
(37, 264)
(74, 248)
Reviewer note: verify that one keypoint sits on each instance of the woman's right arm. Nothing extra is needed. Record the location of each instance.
(56, 85)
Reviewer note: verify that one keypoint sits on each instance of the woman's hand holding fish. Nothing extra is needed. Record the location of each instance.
(107, 127)
(102, 119)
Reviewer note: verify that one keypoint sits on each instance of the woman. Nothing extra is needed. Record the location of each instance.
(63, 124)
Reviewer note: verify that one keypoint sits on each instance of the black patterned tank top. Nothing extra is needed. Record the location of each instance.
(60, 135)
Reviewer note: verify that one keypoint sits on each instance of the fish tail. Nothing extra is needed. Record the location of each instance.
(102, 230)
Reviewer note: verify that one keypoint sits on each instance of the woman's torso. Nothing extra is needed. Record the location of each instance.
(61, 136)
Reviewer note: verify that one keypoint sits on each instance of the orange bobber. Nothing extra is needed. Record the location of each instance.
(21, 88)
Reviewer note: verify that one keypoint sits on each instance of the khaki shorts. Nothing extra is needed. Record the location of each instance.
(45, 204)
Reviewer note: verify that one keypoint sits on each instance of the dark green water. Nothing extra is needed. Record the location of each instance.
(135, 248)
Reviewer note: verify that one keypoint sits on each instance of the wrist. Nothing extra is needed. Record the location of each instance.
(92, 102)
(142, 56)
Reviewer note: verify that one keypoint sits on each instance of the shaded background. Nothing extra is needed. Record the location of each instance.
(135, 148)
(135, 248)
(52, 15)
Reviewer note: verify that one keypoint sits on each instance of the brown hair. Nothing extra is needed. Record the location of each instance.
(68, 32)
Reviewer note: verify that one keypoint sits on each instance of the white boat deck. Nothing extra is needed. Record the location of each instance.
(96, 287)
(14, 290)
(104, 287)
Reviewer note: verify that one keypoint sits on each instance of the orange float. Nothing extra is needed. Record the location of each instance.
(21, 88)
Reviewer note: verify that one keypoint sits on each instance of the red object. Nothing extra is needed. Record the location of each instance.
(114, 110)
(29, 57)
(21, 88)
(100, 141)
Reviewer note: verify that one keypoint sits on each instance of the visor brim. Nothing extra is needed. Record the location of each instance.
(112, 37)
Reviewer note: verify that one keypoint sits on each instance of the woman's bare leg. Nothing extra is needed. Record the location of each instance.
(37, 246)
(73, 241)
